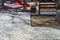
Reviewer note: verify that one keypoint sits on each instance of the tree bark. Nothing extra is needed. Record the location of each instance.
(25, 5)
(1, 3)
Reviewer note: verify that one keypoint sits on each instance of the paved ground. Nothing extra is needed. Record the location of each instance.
(16, 26)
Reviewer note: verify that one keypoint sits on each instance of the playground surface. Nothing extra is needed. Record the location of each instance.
(17, 26)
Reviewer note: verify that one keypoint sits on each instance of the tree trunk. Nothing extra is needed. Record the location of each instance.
(1, 3)
(25, 5)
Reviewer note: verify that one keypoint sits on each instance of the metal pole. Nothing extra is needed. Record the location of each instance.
(56, 10)
(39, 7)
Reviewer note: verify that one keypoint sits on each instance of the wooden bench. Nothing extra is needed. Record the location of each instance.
(47, 5)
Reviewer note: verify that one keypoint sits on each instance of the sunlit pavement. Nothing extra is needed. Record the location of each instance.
(17, 26)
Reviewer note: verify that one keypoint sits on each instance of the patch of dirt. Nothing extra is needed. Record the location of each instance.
(44, 21)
